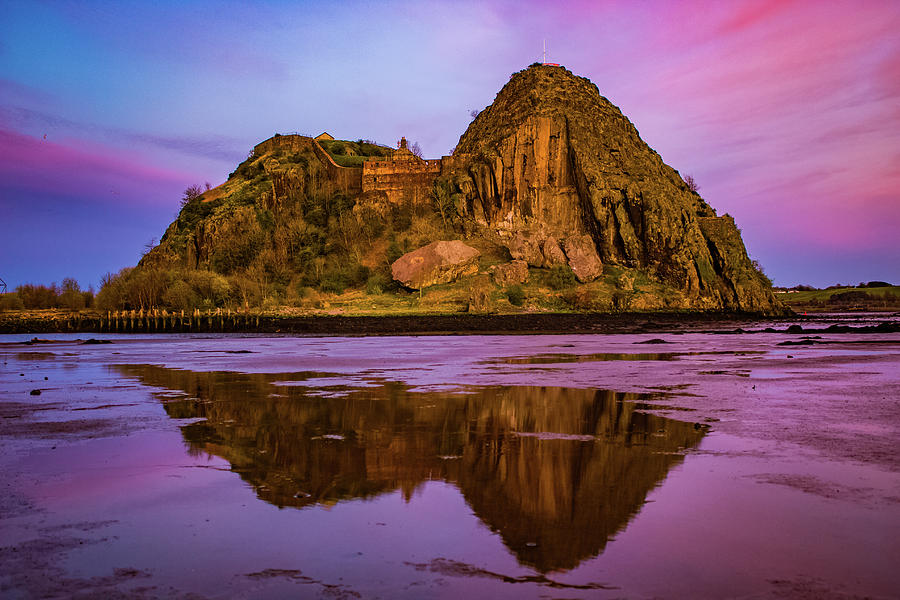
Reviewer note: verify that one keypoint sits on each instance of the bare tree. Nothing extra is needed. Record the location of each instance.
(148, 247)
(191, 193)
(416, 149)
(691, 184)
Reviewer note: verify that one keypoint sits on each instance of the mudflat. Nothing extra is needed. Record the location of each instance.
(660, 462)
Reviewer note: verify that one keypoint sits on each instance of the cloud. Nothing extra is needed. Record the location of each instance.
(215, 147)
(80, 170)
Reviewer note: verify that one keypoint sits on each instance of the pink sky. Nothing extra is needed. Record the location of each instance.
(787, 113)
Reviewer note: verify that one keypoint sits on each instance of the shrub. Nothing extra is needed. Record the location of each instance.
(762, 274)
(11, 301)
(376, 284)
(334, 282)
(850, 297)
(190, 194)
(38, 296)
(209, 286)
(180, 296)
(516, 295)
(71, 296)
(113, 292)
(560, 277)
(401, 217)
(691, 184)
(228, 258)
(393, 251)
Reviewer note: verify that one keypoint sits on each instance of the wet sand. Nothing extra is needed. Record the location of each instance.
(566, 466)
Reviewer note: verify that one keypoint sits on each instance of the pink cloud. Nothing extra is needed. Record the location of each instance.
(86, 170)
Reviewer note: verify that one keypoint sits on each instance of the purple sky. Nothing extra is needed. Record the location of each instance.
(786, 113)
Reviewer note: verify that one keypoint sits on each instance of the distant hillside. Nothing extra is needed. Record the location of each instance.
(879, 298)
(560, 203)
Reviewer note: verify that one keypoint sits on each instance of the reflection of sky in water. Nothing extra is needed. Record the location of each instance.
(440, 485)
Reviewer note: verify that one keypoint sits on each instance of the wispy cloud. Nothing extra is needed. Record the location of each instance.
(216, 147)
(90, 173)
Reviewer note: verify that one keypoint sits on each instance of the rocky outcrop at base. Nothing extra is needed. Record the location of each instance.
(582, 258)
(436, 263)
(511, 273)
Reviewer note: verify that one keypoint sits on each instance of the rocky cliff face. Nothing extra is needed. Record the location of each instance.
(552, 160)
(551, 175)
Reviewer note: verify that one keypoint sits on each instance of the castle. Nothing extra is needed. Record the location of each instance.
(401, 177)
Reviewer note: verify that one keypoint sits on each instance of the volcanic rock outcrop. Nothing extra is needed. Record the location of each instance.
(550, 177)
(551, 159)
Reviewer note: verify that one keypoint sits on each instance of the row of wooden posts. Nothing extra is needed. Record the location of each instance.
(157, 320)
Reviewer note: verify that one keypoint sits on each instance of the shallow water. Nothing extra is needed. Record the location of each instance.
(491, 466)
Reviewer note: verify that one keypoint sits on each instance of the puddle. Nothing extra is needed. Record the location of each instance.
(559, 358)
(546, 359)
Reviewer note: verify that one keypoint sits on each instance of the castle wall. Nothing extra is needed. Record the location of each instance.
(403, 177)
(402, 180)
(348, 179)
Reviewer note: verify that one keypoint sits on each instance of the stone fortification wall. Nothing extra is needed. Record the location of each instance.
(401, 180)
(287, 143)
(348, 179)
(402, 177)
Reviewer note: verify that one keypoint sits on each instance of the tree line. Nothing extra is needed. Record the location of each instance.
(29, 296)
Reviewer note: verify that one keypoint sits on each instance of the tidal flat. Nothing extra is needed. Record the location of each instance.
(701, 465)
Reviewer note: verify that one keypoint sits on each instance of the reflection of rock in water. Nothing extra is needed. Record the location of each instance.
(555, 500)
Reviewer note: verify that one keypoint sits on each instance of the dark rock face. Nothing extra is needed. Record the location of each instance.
(551, 159)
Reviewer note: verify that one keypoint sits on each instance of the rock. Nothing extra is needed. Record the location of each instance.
(536, 249)
(582, 257)
(35, 392)
(480, 300)
(551, 154)
(510, 273)
(436, 263)
(527, 247)
(552, 253)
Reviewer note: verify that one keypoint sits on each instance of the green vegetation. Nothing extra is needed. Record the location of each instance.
(68, 296)
(516, 295)
(866, 296)
(280, 234)
(353, 154)
(560, 277)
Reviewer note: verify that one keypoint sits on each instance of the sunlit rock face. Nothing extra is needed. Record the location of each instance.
(554, 471)
(438, 262)
(551, 157)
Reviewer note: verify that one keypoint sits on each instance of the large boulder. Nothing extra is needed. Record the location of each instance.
(536, 249)
(526, 246)
(511, 273)
(582, 256)
(553, 254)
(438, 262)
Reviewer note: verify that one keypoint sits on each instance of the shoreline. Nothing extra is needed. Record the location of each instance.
(441, 324)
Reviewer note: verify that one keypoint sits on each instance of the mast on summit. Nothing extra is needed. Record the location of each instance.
(544, 57)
